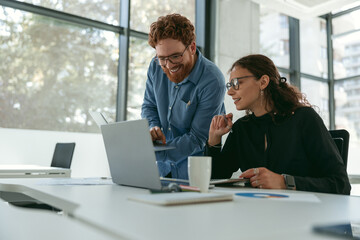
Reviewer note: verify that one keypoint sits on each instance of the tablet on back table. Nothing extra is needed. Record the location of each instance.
(99, 118)
(131, 154)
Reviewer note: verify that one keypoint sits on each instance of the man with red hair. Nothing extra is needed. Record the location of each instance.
(184, 90)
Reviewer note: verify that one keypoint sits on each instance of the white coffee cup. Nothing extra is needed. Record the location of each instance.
(199, 170)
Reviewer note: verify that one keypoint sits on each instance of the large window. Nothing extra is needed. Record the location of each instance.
(274, 36)
(346, 46)
(140, 57)
(101, 10)
(314, 65)
(313, 47)
(317, 93)
(145, 12)
(338, 107)
(347, 55)
(53, 72)
(60, 59)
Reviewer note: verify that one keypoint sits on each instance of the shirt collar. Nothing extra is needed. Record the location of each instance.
(265, 117)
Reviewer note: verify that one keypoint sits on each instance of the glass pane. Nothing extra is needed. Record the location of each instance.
(145, 12)
(274, 36)
(101, 10)
(346, 7)
(313, 47)
(346, 23)
(347, 116)
(140, 56)
(53, 73)
(347, 55)
(317, 93)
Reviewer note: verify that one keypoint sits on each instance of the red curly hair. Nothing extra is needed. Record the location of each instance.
(173, 26)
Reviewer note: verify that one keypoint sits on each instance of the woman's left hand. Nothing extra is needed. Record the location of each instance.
(264, 178)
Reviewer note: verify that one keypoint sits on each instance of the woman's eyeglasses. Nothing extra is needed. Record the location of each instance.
(235, 82)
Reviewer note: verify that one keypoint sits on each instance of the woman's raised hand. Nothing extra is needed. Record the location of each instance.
(220, 125)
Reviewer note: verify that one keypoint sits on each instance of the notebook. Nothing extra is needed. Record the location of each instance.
(183, 198)
(131, 155)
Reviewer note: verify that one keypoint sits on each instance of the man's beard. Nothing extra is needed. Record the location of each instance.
(185, 70)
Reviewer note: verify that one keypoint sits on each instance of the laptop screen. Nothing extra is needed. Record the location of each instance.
(131, 154)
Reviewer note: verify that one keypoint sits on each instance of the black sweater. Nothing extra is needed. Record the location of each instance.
(300, 146)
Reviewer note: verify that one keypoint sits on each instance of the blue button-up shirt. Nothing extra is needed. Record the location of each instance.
(183, 111)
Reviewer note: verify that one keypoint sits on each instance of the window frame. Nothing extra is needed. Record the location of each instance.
(204, 25)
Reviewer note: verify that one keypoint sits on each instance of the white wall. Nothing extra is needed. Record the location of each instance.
(237, 35)
(19, 146)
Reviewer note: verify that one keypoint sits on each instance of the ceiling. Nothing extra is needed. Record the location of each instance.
(305, 8)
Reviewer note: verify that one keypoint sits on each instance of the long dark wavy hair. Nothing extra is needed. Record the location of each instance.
(281, 98)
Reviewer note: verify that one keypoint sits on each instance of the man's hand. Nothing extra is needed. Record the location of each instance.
(157, 134)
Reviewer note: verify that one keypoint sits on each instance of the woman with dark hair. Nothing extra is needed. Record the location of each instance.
(281, 143)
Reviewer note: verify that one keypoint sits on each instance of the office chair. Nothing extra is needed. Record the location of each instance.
(63, 155)
(341, 138)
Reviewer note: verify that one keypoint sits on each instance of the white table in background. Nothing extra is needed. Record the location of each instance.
(32, 171)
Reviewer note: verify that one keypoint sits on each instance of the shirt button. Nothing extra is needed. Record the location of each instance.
(170, 108)
(169, 129)
(176, 86)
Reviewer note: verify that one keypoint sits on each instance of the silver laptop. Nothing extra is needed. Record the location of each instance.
(131, 154)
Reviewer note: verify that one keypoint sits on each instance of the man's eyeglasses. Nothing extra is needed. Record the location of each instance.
(174, 59)
(235, 82)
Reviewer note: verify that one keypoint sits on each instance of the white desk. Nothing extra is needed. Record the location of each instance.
(107, 208)
(32, 171)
